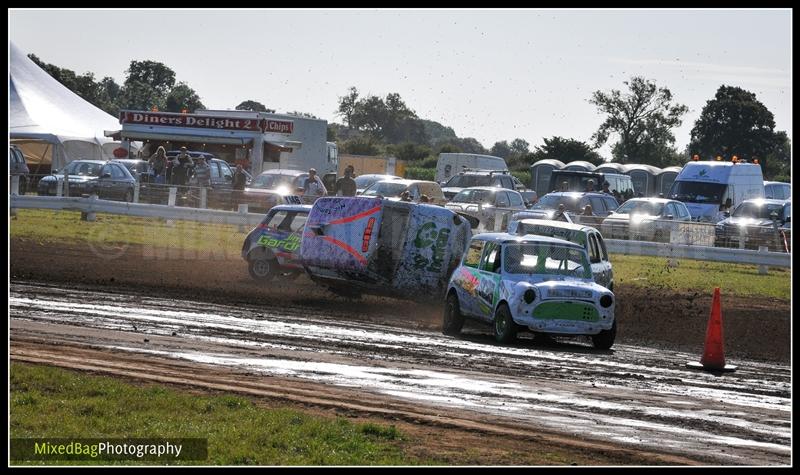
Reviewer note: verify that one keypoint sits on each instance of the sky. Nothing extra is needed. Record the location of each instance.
(489, 74)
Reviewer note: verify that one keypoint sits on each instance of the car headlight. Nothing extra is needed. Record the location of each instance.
(606, 301)
(529, 296)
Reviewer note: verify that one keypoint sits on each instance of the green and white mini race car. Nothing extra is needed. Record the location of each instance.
(538, 283)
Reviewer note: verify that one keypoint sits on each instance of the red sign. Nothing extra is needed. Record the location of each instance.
(166, 119)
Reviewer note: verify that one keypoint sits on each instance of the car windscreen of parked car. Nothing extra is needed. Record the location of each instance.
(473, 196)
(83, 168)
(753, 210)
(466, 181)
(641, 207)
(552, 202)
(552, 259)
(385, 188)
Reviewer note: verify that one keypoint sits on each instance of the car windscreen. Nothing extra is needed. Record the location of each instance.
(546, 259)
(697, 192)
(385, 188)
(753, 210)
(84, 168)
(474, 196)
(136, 167)
(641, 207)
(552, 202)
(364, 181)
(466, 181)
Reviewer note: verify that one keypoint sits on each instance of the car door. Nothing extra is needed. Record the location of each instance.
(467, 278)
(105, 183)
(120, 181)
(226, 181)
(488, 281)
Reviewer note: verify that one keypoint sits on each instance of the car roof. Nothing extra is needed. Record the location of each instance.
(87, 160)
(776, 183)
(301, 208)
(652, 199)
(766, 201)
(557, 224)
(379, 175)
(283, 171)
(506, 237)
(578, 194)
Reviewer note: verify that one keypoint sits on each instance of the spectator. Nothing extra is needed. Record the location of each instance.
(560, 215)
(605, 188)
(238, 183)
(564, 186)
(617, 196)
(181, 167)
(589, 185)
(202, 173)
(313, 188)
(424, 199)
(346, 186)
(405, 196)
(158, 163)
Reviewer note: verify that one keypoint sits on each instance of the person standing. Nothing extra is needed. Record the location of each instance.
(158, 163)
(181, 167)
(202, 173)
(346, 185)
(239, 182)
(313, 188)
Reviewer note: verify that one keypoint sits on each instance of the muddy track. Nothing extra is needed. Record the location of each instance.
(635, 398)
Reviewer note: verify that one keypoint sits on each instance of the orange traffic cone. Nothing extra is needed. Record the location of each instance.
(713, 356)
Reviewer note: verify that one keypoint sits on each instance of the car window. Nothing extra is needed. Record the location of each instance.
(288, 221)
(507, 183)
(106, 170)
(501, 199)
(516, 199)
(598, 205)
(611, 203)
(473, 255)
(490, 261)
(603, 250)
(226, 169)
(117, 173)
(594, 249)
(672, 210)
(214, 168)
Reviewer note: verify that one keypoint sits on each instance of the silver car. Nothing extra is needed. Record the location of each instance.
(645, 219)
(487, 204)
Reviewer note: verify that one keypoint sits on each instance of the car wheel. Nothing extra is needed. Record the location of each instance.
(505, 330)
(23, 185)
(605, 339)
(453, 319)
(262, 270)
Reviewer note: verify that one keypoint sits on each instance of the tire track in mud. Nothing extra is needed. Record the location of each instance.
(630, 395)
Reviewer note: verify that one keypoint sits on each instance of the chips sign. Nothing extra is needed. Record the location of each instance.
(166, 119)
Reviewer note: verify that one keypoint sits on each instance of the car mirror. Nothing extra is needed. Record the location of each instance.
(105, 175)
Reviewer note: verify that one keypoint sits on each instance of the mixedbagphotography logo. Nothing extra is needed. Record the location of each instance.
(60, 449)
(101, 244)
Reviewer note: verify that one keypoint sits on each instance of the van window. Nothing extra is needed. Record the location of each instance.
(473, 256)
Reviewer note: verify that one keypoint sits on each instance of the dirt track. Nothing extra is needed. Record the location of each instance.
(633, 402)
(754, 328)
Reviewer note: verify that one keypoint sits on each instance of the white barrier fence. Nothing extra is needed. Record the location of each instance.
(242, 218)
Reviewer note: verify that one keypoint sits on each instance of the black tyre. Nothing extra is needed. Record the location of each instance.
(505, 330)
(262, 269)
(605, 339)
(453, 320)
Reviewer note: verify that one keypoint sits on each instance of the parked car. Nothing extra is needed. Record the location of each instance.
(393, 189)
(760, 222)
(18, 167)
(538, 283)
(364, 181)
(777, 190)
(585, 236)
(356, 245)
(574, 204)
(486, 203)
(108, 179)
(139, 169)
(646, 219)
(494, 178)
(272, 247)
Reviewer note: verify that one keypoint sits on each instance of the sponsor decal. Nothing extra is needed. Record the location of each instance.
(289, 243)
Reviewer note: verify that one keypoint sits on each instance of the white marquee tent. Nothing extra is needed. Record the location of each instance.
(50, 123)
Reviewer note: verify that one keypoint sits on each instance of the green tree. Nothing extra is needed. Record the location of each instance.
(409, 152)
(360, 146)
(302, 114)
(566, 150)
(147, 85)
(520, 146)
(777, 164)
(501, 149)
(254, 106)
(183, 97)
(347, 106)
(734, 122)
(643, 120)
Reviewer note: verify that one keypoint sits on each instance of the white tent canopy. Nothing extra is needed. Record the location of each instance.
(52, 124)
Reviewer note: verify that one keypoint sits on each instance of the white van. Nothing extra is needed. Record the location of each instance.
(706, 186)
(450, 164)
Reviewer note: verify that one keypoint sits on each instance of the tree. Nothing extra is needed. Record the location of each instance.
(734, 123)
(501, 149)
(303, 114)
(566, 150)
(643, 120)
(777, 164)
(147, 85)
(520, 146)
(183, 97)
(254, 106)
(347, 106)
(360, 146)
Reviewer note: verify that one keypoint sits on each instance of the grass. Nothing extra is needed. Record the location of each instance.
(66, 226)
(738, 279)
(53, 402)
